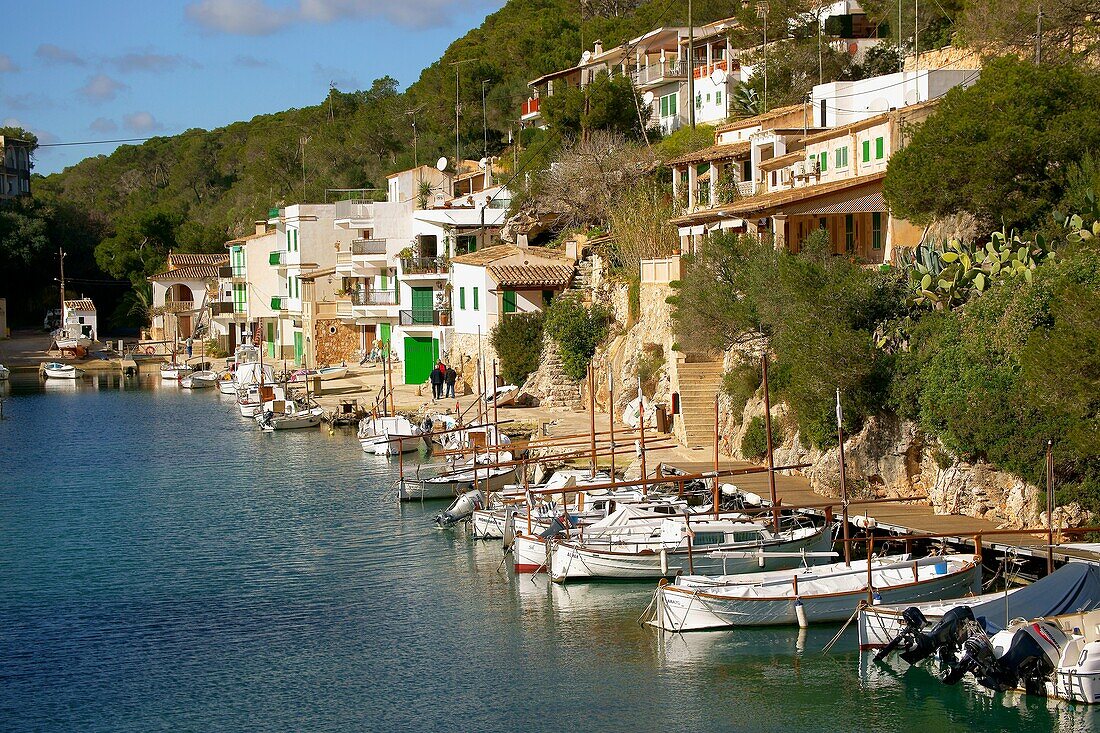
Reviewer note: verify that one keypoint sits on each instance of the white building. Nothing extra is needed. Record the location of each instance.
(847, 102)
(79, 317)
(184, 296)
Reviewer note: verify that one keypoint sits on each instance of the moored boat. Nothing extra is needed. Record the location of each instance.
(389, 435)
(174, 370)
(57, 370)
(285, 414)
(325, 373)
(818, 594)
(467, 476)
(199, 380)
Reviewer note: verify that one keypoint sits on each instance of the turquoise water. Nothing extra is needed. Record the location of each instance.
(166, 566)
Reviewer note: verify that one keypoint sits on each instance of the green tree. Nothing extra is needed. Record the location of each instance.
(577, 330)
(518, 342)
(140, 245)
(606, 103)
(1000, 149)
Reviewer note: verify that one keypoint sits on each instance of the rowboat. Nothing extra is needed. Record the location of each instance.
(199, 380)
(464, 478)
(502, 396)
(57, 370)
(823, 593)
(288, 415)
(325, 373)
(174, 371)
(666, 547)
(389, 435)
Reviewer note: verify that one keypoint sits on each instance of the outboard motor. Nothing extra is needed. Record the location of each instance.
(1029, 659)
(907, 639)
(460, 509)
(944, 638)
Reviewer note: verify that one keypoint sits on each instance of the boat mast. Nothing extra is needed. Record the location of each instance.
(844, 485)
(61, 315)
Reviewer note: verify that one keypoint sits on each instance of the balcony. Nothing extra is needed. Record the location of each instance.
(279, 302)
(424, 266)
(425, 318)
(355, 209)
(530, 108)
(277, 258)
(659, 73)
(368, 247)
(745, 188)
(703, 70)
(373, 297)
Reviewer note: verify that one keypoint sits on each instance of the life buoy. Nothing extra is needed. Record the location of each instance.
(150, 350)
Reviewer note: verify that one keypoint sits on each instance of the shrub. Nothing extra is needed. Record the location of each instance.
(577, 330)
(649, 366)
(741, 383)
(755, 442)
(518, 342)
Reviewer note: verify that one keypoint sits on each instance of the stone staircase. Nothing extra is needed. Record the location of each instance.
(698, 383)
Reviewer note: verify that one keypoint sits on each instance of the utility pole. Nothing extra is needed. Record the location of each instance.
(691, 69)
(916, 35)
(762, 12)
(820, 33)
(901, 56)
(61, 315)
(843, 483)
(303, 140)
(1039, 34)
(456, 64)
(484, 122)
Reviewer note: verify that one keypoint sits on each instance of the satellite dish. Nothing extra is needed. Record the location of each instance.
(482, 163)
(879, 105)
(585, 57)
(647, 98)
(912, 97)
(441, 164)
(718, 77)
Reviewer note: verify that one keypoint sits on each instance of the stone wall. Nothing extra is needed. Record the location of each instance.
(334, 348)
(462, 354)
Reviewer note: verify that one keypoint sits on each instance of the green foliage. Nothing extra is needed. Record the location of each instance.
(792, 72)
(518, 342)
(650, 364)
(741, 383)
(606, 103)
(685, 140)
(745, 101)
(754, 444)
(1000, 149)
(577, 330)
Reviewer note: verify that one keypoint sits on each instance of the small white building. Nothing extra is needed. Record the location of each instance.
(183, 296)
(80, 317)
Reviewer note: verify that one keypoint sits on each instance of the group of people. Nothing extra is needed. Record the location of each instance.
(443, 378)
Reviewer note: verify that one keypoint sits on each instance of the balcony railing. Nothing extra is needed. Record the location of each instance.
(355, 209)
(744, 188)
(703, 69)
(343, 258)
(425, 317)
(530, 107)
(373, 297)
(277, 258)
(423, 265)
(368, 247)
(660, 72)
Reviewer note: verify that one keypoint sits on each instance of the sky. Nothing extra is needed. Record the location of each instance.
(94, 70)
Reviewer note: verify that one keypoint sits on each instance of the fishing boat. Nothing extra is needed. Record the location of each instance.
(251, 399)
(4, 372)
(288, 415)
(200, 380)
(816, 594)
(226, 383)
(623, 548)
(325, 373)
(71, 336)
(1071, 588)
(389, 435)
(57, 370)
(174, 370)
(482, 474)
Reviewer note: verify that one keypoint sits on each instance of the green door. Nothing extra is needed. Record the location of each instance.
(422, 299)
(384, 334)
(421, 354)
(509, 301)
(298, 348)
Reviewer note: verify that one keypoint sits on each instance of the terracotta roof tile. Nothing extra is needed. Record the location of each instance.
(83, 304)
(714, 152)
(188, 272)
(181, 259)
(764, 201)
(760, 119)
(531, 276)
(490, 255)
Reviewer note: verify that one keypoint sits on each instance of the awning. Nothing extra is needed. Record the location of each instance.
(870, 203)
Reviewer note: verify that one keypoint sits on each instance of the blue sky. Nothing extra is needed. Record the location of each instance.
(101, 70)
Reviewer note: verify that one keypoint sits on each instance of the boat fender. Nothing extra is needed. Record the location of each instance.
(864, 522)
(664, 561)
(876, 599)
(800, 614)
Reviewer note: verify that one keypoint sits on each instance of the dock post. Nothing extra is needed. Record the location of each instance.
(1050, 507)
(716, 489)
(768, 430)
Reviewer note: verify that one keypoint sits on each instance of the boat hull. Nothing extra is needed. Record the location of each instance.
(63, 372)
(572, 560)
(449, 488)
(529, 554)
(381, 445)
(680, 608)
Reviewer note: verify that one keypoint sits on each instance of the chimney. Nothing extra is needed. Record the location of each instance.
(261, 226)
(597, 49)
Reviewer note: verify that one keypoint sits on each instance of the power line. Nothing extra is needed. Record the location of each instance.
(98, 142)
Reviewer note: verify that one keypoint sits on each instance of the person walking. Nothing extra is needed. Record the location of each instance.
(449, 379)
(436, 378)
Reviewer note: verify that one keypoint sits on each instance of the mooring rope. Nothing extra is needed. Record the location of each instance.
(859, 607)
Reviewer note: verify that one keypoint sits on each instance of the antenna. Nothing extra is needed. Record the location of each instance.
(412, 113)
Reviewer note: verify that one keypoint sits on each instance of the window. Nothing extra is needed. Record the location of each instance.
(271, 331)
(509, 301)
(773, 179)
(668, 105)
(718, 97)
(547, 296)
(823, 160)
(849, 233)
(876, 230)
(295, 240)
(866, 151)
(878, 148)
(466, 243)
(475, 299)
(698, 100)
(462, 299)
(842, 157)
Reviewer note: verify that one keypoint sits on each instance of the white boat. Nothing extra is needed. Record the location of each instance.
(288, 415)
(325, 373)
(71, 336)
(463, 478)
(502, 396)
(57, 370)
(818, 594)
(199, 380)
(226, 384)
(250, 369)
(174, 371)
(4, 372)
(482, 436)
(251, 399)
(389, 435)
(628, 545)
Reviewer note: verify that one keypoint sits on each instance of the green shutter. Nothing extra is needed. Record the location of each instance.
(509, 301)
(384, 333)
(878, 148)
(295, 240)
(298, 347)
(475, 299)
(866, 151)
(462, 298)
(824, 159)
(422, 300)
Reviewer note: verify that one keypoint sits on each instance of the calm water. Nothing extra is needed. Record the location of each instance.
(166, 566)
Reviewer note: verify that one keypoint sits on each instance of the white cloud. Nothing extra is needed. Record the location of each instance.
(50, 53)
(6, 64)
(103, 125)
(141, 122)
(155, 62)
(101, 88)
(259, 17)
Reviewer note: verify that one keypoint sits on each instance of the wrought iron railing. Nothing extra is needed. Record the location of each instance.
(368, 247)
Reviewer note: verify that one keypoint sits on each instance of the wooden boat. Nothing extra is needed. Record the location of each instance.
(463, 478)
(57, 370)
(389, 435)
(226, 383)
(288, 415)
(174, 371)
(823, 593)
(624, 548)
(325, 373)
(199, 380)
